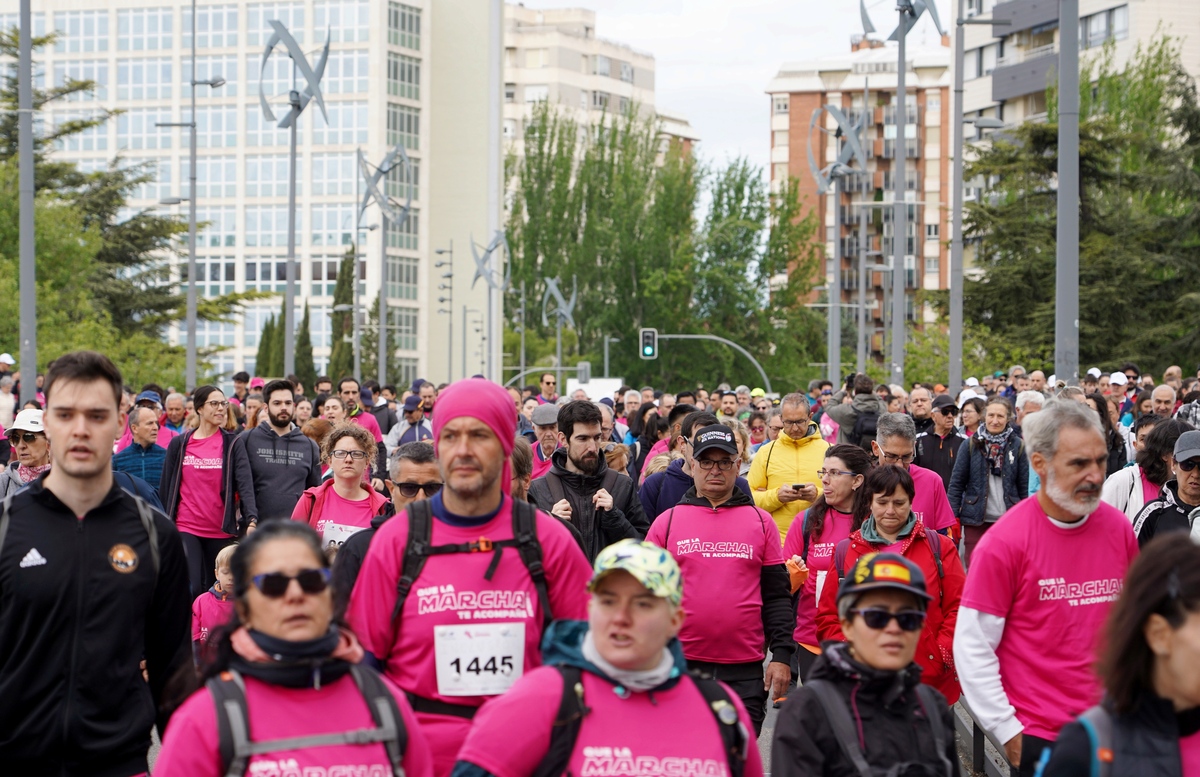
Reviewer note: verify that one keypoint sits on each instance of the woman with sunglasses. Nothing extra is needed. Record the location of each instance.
(840, 509)
(893, 528)
(294, 674)
(345, 503)
(864, 698)
(30, 450)
(199, 487)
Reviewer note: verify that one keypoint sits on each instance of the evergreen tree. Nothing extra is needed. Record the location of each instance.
(266, 340)
(306, 368)
(370, 347)
(341, 353)
(277, 343)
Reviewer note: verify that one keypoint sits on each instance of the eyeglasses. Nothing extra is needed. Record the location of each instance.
(217, 404)
(18, 437)
(823, 472)
(409, 490)
(758, 428)
(795, 422)
(1189, 465)
(892, 458)
(722, 464)
(356, 455)
(275, 584)
(907, 620)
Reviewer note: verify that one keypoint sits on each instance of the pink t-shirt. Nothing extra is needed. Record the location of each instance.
(721, 554)
(342, 518)
(1189, 754)
(1054, 587)
(190, 746)
(368, 422)
(669, 732)
(208, 612)
(820, 562)
(201, 503)
(1150, 492)
(452, 591)
(930, 505)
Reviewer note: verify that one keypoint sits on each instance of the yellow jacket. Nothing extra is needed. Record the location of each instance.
(782, 462)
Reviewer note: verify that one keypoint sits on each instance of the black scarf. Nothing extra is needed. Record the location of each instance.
(305, 664)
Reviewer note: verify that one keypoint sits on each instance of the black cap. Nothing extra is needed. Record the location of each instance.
(943, 401)
(876, 571)
(716, 436)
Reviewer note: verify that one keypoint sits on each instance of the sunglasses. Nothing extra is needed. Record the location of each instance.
(409, 490)
(907, 620)
(17, 437)
(275, 584)
(1189, 465)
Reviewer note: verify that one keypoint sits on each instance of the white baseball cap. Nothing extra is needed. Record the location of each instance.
(6, 358)
(1094, 372)
(1118, 379)
(972, 382)
(28, 421)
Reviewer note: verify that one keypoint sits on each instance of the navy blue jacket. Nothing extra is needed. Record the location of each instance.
(969, 481)
(146, 463)
(663, 490)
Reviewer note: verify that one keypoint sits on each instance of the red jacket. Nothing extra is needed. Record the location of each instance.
(935, 649)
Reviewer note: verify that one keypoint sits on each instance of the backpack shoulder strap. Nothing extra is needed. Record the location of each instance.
(568, 722)
(839, 558)
(734, 736)
(767, 465)
(667, 533)
(1098, 724)
(147, 516)
(530, 548)
(610, 480)
(233, 727)
(416, 551)
(554, 483)
(386, 714)
(935, 545)
(804, 536)
(5, 508)
(930, 702)
(841, 722)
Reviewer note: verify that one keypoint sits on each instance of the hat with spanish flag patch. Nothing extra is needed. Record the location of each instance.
(876, 571)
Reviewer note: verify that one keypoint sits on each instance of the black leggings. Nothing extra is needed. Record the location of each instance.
(201, 553)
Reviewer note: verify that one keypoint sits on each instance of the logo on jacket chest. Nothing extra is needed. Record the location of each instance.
(123, 558)
(711, 549)
(623, 762)
(474, 605)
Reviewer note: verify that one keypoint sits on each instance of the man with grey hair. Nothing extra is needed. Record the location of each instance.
(1162, 401)
(143, 456)
(1028, 403)
(175, 412)
(895, 444)
(1040, 587)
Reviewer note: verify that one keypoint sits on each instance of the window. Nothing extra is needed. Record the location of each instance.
(781, 103)
(627, 72)
(404, 235)
(404, 78)
(600, 100)
(334, 174)
(260, 132)
(409, 371)
(91, 139)
(267, 274)
(932, 265)
(333, 225)
(324, 277)
(216, 176)
(345, 72)
(136, 130)
(217, 26)
(92, 70)
(510, 129)
(214, 276)
(623, 105)
(401, 278)
(931, 231)
(404, 26)
(80, 32)
(255, 318)
(217, 225)
(276, 75)
(209, 69)
(403, 323)
(11, 20)
(403, 183)
(347, 124)
(348, 21)
(584, 99)
(537, 93)
(258, 16)
(535, 58)
(214, 333)
(972, 64)
(779, 171)
(510, 92)
(145, 29)
(403, 124)
(779, 139)
(933, 104)
(267, 176)
(144, 79)
(603, 66)
(266, 225)
(1099, 27)
(1119, 23)
(320, 327)
(988, 59)
(157, 173)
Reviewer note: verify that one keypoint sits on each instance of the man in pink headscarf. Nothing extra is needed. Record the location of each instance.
(456, 614)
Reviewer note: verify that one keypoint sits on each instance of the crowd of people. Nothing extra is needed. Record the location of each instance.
(473, 580)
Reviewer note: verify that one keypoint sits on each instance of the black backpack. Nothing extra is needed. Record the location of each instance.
(418, 548)
(228, 692)
(572, 710)
(865, 427)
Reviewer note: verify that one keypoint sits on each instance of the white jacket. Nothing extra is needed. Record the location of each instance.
(1123, 490)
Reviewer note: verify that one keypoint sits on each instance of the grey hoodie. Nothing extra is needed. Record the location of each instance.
(846, 415)
(10, 481)
(281, 467)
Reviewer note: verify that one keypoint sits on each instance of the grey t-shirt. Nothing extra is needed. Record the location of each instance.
(995, 499)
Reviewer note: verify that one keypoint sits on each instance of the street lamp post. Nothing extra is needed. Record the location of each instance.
(900, 218)
(448, 301)
(25, 185)
(1066, 274)
(608, 340)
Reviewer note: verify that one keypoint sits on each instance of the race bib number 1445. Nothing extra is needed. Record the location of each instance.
(480, 659)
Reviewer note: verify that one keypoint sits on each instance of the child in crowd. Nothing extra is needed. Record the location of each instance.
(213, 607)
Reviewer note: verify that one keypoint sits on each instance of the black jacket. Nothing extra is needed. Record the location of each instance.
(1145, 742)
(937, 453)
(80, 606)
(599, 528)
(923, 425)
(172, 478)
(384, 416)
(281, 467)
(894, 725)
(1166, 514)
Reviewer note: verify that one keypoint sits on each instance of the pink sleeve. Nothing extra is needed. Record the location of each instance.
(196, 619)
(418, 762)
(793, 543)
(772, 548)
(510, 734)
(190, 745)
(567, 570)
(303, 508)
(374, 595)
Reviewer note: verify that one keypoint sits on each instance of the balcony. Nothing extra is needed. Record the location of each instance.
(1026, 55)
(863, 183)
(850, 246)
(854, 116)
(1025, 77)
(912, 181)
(1023, 15)
(912, 147)
(912, 114)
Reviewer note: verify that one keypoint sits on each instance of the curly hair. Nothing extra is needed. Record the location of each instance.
(366, 442)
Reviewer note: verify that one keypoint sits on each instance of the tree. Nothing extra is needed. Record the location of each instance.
(341, 354)
(369, 335)
(266, 342)
(306, 368)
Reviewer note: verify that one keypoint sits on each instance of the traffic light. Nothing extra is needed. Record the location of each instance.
(649, 343)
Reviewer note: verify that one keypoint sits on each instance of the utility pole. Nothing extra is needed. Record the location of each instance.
(900, 219)
(956, 199)
(1066, 275)
(861, 361)
(25, 184)
(834, 287)
(448, 301)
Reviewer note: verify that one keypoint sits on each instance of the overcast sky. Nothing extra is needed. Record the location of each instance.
(714, 58)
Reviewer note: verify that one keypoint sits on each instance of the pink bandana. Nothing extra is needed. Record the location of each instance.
(487, 402)
(29, 474)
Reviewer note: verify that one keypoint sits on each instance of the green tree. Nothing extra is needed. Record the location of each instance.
(266, 342)
(278, 343)
(341, 354)
(306, 368)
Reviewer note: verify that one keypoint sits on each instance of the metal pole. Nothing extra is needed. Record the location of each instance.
(384, 344)
(956, 207)
(834, 287)
(289, 304)
(495, 175)
(450, 328)
(28, 262)
(606, 356)
(900, 225)
(558, 351)
(1066, 276)
(523, 317)
(464, 353)
(190, 376)
(861, 361)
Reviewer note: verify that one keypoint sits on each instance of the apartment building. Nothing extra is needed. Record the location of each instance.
(863, 83)
(416, 72)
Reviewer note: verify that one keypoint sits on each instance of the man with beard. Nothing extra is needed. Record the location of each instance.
(282, 461)
(1041, 584)
(579, 487)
